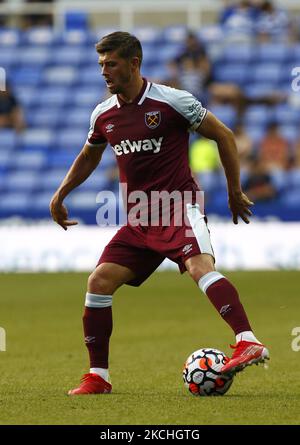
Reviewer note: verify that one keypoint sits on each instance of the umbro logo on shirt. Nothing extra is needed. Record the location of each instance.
(127, 146)
(109, 128)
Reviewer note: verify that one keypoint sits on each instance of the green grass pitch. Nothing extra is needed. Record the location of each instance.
(156, 327)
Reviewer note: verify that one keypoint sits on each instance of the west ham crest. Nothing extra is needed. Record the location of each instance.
(152, 119)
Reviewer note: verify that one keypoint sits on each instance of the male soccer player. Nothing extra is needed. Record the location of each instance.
(147, 126)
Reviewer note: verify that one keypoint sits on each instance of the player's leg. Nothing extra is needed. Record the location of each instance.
(225, 298)
(124, 260)
(98, 323)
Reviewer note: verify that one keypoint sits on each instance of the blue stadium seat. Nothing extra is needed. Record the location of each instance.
(76, 20)
(22, 181)
(33, 56)
(226, 113)
(8, 138)
(26, 95)
(255, 132)
(36, 138)
(279, 179)
(291, 198)
(294, 179)
(295, 54)
(97, 181)
(174, 33)
(60, 75)
(41, 201)
(272, 52)
(46, 117)
(27, 76)
(52, 96)
(52, 179)
(167, 52)
(61, 159)
(147, 34)
(286, 115)
(68, 55)
(260, 115)
(156, 72)
(78, 117)
(236, 73)
(39, 35)
(14, 201)
(266, 72)
(238, 54)
(71, 139)
(290, 132)
(5, 160)
(83, 200)
(208, 180)
(7, 57)
(91, 75)
(9, 38)
(76, 37)
(259, 90)
(211, 34)
(29, 160)
(108, 159)
(88, 96)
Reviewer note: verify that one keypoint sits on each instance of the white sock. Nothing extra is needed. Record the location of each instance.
(247, 336)
(102, 372)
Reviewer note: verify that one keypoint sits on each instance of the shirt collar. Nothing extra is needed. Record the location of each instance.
(139, 98)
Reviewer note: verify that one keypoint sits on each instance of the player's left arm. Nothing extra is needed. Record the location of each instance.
(212, 128)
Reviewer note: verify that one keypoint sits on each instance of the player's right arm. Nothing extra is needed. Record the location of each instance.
(83, 166)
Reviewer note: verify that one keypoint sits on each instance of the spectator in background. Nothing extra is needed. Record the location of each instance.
(11, 114)
(272, 23)
(191, 69)
(205, 163)
(204, 156)
(239, 23)
(274, 149)
(259, 184)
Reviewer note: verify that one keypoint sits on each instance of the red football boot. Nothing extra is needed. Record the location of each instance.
(91, 384)
(246, 353)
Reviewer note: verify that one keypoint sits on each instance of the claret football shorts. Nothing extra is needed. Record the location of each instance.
(143, 248)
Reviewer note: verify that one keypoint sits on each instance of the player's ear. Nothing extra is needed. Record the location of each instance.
(135, 63)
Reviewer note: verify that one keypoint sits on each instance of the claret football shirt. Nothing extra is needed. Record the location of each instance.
(150, 137)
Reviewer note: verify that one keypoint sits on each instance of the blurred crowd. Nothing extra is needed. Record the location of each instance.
(262, 161)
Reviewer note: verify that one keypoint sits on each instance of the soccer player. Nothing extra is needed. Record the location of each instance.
(147, 125)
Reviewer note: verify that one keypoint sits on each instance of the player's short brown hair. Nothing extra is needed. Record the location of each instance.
(124, 43)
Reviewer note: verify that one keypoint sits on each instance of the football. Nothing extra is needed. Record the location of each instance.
(201, 373)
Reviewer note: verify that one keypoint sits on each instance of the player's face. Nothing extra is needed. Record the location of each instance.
(116, 71)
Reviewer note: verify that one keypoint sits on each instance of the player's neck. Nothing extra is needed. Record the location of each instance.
(132, 90)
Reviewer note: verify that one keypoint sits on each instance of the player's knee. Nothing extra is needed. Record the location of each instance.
(100, 283)
(200, 266)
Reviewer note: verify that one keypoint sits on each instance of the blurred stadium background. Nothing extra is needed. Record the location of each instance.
(240, 58)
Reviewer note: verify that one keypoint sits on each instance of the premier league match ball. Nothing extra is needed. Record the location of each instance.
(201, 373)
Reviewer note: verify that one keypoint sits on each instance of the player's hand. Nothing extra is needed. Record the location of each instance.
(239, 205)
(59, 213)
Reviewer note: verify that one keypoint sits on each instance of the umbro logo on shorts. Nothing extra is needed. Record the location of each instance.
(187, 248)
